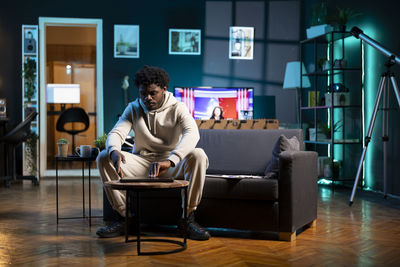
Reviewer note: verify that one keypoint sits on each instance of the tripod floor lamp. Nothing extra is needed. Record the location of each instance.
(386, 79)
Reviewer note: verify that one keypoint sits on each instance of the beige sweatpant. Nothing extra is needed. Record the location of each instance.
(192, 168)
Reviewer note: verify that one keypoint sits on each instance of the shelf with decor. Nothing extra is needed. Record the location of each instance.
(326, 107)
(327, 37)
(30, 97)
(330, 102)
(336, 71)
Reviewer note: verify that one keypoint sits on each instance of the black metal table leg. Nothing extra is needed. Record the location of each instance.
(83, 190)
(57, 188)
(84, 215)
(90, 197)
(183, 245)
(185, 214)
(127, 207)
(137, 219)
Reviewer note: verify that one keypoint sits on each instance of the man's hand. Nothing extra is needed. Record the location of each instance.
(116, 158)
(159, 168)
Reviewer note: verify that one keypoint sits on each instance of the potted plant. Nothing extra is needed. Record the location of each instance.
(324, 131)
(29, 75)
(342, 16)
(31, 153)
(100, 142)
(62, 145)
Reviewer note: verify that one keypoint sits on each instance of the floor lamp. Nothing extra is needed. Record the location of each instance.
(292, 81)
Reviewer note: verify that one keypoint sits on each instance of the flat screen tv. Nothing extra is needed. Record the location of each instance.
(236, 103)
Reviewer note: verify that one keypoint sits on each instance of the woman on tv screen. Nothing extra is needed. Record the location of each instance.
(217, 114)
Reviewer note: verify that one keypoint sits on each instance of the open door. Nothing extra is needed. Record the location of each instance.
(70, 54)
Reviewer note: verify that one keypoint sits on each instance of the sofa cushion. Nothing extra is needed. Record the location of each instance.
(241, 151)
(248, 189)
(283, 144)
(221, 188)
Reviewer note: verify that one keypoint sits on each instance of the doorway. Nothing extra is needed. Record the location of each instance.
(70, 54)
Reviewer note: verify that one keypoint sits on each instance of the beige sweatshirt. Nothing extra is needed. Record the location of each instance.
(169, 132)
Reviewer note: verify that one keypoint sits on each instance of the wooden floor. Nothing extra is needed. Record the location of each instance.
(367, 234)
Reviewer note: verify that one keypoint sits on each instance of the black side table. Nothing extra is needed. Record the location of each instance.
(89, 161)
(137, 188)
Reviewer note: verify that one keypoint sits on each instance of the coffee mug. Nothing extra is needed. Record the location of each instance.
(84, 151)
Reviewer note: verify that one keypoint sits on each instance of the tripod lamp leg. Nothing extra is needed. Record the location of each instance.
(368, 136)
(353, 192)
(395, 88)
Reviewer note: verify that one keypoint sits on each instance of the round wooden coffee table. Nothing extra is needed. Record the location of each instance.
(137, 188)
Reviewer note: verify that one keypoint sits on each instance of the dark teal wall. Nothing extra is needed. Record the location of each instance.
(277, 27)
(154, 18)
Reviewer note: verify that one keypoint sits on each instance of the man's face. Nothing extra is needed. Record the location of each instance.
(152, 96)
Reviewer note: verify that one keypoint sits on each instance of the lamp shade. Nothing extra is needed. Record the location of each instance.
(292, 76)
(63, 93)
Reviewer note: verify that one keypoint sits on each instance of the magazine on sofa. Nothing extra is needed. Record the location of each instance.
(234, 176)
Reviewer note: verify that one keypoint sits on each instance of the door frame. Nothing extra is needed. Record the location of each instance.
(69, 22)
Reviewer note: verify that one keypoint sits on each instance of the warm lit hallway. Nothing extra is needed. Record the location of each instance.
(365, 235)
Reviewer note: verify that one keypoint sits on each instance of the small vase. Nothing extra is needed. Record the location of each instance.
(62, 150)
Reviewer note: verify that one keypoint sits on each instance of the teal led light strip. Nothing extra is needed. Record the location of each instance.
(363, 104)
(370, 90)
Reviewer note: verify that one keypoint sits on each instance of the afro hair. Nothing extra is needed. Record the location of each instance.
(151, 75)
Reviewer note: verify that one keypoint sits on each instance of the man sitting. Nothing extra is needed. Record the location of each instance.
(165, 139)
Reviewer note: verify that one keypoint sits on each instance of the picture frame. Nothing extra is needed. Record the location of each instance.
(30, 40)
(241, 42)
(126, 41)
(184, 42)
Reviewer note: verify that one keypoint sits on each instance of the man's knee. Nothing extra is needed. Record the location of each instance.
(198, 155)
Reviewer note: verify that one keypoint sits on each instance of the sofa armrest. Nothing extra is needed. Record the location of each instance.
(298, 190)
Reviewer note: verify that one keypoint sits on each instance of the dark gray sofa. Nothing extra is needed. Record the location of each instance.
(282, 205)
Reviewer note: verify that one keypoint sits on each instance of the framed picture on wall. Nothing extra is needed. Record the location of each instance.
(126, 41)
(184, 42)
(241, 42)
(30, 40)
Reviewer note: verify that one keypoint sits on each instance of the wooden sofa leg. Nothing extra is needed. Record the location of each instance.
(312, 224)
(287, 236)
(291, 236)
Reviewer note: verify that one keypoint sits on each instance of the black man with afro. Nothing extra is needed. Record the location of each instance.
(165, 145)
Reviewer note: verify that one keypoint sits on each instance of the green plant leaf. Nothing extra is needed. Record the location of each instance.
(62, 141)
(100, 142)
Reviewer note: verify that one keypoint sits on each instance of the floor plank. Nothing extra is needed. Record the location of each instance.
(367, 234)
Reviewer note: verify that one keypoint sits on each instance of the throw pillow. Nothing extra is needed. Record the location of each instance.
(283, 144)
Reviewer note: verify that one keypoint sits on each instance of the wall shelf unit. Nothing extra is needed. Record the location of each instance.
(331, 109)
(30, 96)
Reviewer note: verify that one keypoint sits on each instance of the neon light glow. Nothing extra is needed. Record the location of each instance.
(370, 88)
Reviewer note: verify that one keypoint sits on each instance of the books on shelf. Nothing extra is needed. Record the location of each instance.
(311, 99)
